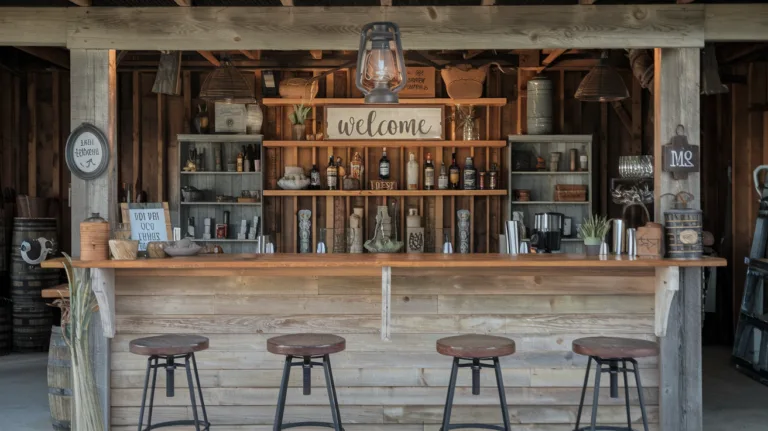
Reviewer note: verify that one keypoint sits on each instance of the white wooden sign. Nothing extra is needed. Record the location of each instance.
(384, 122)
(230, 118)
(87, 152)
(148, 225)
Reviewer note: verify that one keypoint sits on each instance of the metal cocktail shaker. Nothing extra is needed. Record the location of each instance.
(447, 246)
(512, 235)
(618, 230)
(632, 242)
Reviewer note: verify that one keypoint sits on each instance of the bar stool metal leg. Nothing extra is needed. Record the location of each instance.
(144, 393)
(152, 393)
(583, 393)
(335, 413)
(626, 395)
(449, 397)
(502, 395)
(282, 395)
(199, 389)
(192, 392)
(640, 394)
(596, 395)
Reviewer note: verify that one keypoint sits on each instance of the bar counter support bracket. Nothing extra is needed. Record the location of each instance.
(667, 284)
(103, 285)
(386, 300)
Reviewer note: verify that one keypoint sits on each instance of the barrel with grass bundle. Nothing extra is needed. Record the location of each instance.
(32, 317)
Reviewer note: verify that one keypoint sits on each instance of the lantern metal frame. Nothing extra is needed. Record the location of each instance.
(380, 34)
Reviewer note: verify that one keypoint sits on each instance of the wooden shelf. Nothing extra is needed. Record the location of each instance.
(385, 193)
(223, 203)
(385, 143)
(355, 101)
(219, 173)
(551, 173)
(220, 138)
(547, 139)
(548, 203)
(225, 240)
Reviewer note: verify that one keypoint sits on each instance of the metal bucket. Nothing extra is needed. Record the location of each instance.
(683, 231)
(539, 109)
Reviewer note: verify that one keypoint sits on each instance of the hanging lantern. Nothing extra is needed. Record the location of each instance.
(380, 66)
(602, 84)
(226, 85)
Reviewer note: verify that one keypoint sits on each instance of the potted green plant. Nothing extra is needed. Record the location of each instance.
(298, 117)
(593, 231)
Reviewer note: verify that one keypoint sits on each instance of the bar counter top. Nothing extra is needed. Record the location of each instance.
(436, 260)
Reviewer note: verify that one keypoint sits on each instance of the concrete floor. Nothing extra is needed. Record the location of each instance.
(732, 401)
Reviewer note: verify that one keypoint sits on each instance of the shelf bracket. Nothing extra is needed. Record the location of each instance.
(386, 300)
(667, 284)
(103, 285)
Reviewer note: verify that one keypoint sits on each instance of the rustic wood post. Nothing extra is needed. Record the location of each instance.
(676, 102)
(93, 79)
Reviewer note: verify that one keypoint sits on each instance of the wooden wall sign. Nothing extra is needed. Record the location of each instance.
(230, 118)
(149, 222)
(420, 84)
(382, 122)
(87, 152)
(679, 157)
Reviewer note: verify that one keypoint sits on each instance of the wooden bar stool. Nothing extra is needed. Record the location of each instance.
(478, 350)
(305, 348)
(171, 348)
(607, 352)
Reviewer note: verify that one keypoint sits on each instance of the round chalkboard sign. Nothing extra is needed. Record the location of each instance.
(87, 152)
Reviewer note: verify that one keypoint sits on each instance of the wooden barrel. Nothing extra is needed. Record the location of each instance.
(5, 327)
(683, 230)
(32, 318)
(59, 381)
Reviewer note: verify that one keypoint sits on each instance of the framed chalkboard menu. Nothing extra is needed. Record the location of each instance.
(149, 222)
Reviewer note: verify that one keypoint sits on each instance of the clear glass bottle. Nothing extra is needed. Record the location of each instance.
(429, 173)
(442, 180)
(470, 175)
(332, 175)
(384, 165)
(314, 178)
(454, 177)
(412, 172)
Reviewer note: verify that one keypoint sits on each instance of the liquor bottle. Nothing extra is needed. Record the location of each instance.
(493, 177)
(412, 177)
(429, 173)
(384, 166)
(470, 175)
(455, 174)
(442, 180)
(314, 178)
(332, 174)
(124, 193)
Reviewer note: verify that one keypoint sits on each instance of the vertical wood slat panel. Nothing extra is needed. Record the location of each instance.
(32, 134)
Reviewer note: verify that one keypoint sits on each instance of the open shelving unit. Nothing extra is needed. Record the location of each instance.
(542, 183)
(331, 209)
(214, 183)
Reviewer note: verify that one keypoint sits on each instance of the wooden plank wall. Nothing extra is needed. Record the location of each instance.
(34, 125)
(383, 386)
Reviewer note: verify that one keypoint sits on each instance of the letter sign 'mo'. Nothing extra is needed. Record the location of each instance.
(679, 157)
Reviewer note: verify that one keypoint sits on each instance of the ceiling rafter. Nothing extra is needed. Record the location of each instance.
(472, 53)
(386, 2)
(57, 56)
(252, 54)
(551, 58)
(316, 54)
(184, 3)
(487, 2)
(208, 55)
(83, 3)
(287, 2)
(587, 2)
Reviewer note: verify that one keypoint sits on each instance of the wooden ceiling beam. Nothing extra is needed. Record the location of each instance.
(587, 2)
(472, 53)
(316, 54)
(488, 2)
(386, 2)
(57, 56)
(184, 3)
(208, 55)
(287, 2)
(83, 3)
(251, 55)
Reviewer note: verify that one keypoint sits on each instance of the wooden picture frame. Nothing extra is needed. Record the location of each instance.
(125, 206)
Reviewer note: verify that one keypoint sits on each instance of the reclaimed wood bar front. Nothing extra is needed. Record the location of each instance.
(543, 302)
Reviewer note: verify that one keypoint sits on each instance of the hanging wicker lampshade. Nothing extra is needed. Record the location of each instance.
(226, 85)
(602, 84)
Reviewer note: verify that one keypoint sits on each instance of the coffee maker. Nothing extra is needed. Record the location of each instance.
(547, 232)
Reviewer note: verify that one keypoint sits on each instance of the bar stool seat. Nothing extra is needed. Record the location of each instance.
(475, 346)
(614, 347)
(304, 350)
(169, 344)
(607, 353)
(306, 344)
(478, 351)
(171, 349)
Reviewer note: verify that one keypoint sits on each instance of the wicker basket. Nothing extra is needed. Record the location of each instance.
(94, 238)
(570, 193)
(124, 249)
(298, 88)
(463, 83)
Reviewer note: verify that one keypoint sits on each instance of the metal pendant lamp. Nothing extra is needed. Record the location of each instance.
(602, 84)
(226, 85)
(380, 65)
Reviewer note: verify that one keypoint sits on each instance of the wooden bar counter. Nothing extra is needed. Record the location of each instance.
(391, 309)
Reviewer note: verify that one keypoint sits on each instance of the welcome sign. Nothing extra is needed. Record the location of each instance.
(381, 122)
